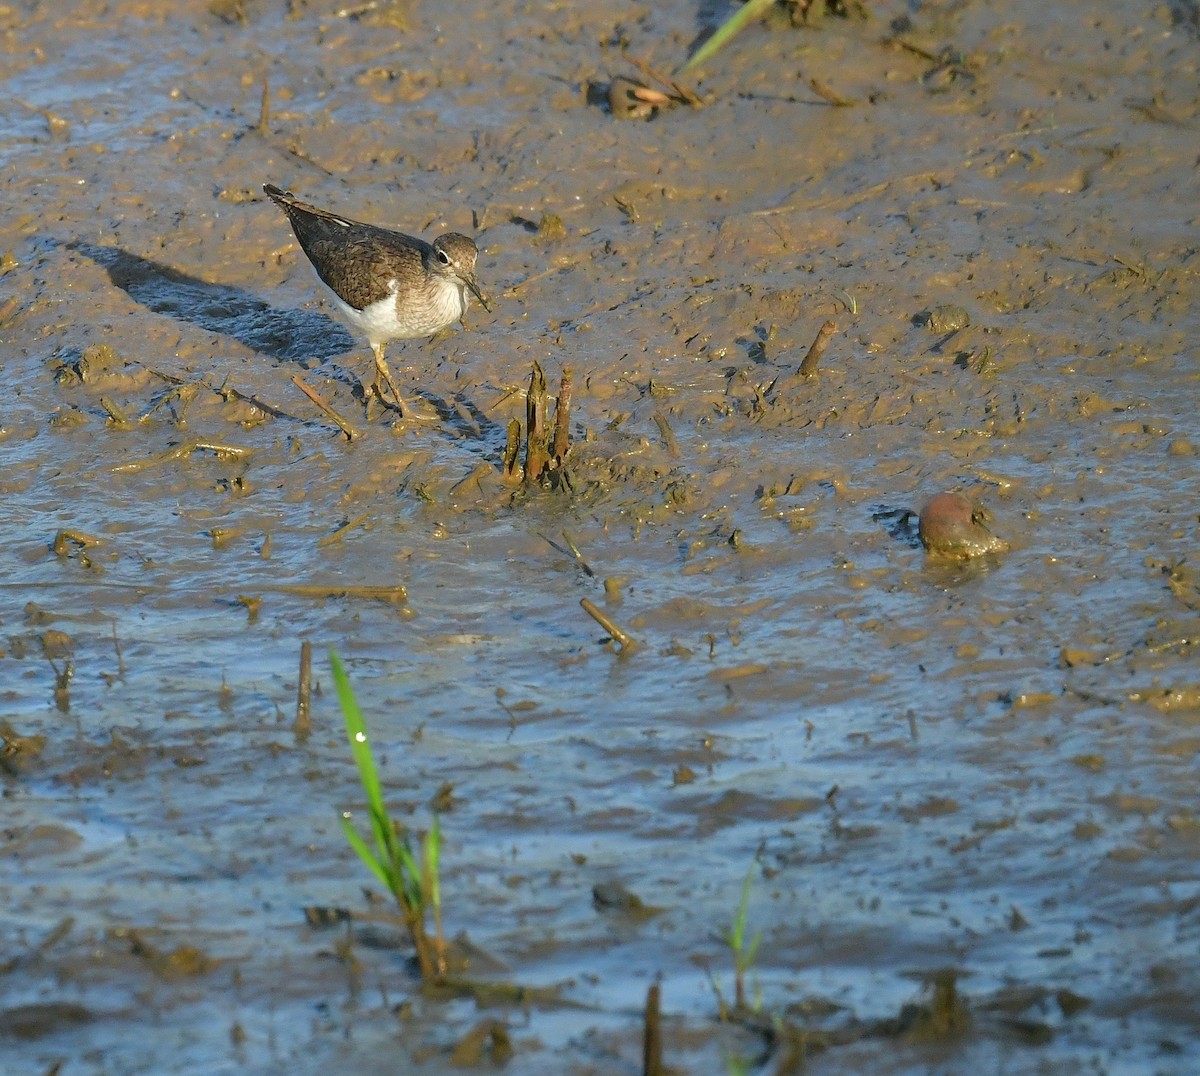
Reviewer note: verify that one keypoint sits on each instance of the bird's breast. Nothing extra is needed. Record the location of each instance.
(422, 313)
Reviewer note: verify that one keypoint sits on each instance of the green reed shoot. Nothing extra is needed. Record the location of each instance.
(743, 951)
(415, 885)
(753, 9)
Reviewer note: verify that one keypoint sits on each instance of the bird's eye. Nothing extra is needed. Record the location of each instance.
(443, 257)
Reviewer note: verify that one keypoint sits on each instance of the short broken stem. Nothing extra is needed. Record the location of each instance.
(562, 416)
(809, 366)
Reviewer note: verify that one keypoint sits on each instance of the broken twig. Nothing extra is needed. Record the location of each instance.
(350, 432)
(809, 366)
(622, 638)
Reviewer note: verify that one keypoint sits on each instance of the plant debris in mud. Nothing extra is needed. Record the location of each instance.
(17, 751)
(800, 13)
(629, 99)
(546, 446)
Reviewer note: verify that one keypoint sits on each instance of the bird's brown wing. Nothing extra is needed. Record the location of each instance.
(356, 260)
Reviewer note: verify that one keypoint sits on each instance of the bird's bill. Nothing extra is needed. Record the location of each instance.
(479, 295)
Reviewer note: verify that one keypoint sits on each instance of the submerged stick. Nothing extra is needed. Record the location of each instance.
(117, 648)
(182, 451)
(623, 639)
(342, 531)
(809, 366)
(350, 432)
(184, 392)
(667, 434)
(303, 724)
(116, 417)
(264, 112)
(65, 540)
(397, 595)
(832, 96)
(558, 267)
(652, 1062)
(228, 392)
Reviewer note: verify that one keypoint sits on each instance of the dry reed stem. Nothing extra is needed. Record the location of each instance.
(264, 112)
(397, 595)
(562, 416)
(682, 92)
(182, 451)
(652, 1047)
(830, 95)
(626, 642)
(809, 366)
(303, 724)
(667, 434)
(342, 531)
(536, 456)
(512, 448)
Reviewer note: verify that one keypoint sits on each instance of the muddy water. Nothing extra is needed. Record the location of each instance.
(980, 773)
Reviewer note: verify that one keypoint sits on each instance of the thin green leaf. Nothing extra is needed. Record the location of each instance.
(744, 903)
(752, 10)
(752, 950)
(360, 747)
(414, 899)
(386, 839)
(737, 930)
(433, 853)
(356, 731)
(354, 838)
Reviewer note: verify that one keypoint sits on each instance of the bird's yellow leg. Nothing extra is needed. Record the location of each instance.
(383, 373)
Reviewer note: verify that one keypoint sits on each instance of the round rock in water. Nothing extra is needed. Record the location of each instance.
(952, 525)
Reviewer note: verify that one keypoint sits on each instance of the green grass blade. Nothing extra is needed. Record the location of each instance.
(392, 857)
(731, 26)
(354, 839)
(433, 853)
(356, 732)
(752, 950)
(414, 897)
(386, 839)
(737, 930)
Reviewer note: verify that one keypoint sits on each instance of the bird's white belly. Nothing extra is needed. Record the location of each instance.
(419, 314)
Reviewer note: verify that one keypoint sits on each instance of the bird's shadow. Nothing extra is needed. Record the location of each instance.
(286, 335)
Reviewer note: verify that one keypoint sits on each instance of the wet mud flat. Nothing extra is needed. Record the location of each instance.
(963, 787)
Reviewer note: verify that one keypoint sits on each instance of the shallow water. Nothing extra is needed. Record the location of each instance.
(986, 767)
